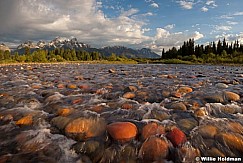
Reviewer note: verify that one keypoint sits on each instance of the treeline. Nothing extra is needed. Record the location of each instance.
(220, 52)
(56, 55)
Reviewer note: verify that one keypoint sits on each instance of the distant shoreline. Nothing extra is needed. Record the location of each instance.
(116, 62)
(72, 62)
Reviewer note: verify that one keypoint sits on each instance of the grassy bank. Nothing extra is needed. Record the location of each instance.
(69, 62)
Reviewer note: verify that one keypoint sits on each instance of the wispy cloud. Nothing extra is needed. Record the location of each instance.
(238, 14)
(170, 26)
(232, 22)
(223, 28)
(231, 15)
(155, 5)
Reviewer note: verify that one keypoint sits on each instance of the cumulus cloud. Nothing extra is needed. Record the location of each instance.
(155, 5)
(165, 39)
(35, 20)
(231, 37)
(32, 19)
(211, 3)
(204, 9)
(186, 4)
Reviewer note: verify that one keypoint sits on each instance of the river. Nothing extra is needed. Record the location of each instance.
(86, 113)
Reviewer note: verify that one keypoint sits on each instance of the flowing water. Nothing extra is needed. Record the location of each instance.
(120, 113)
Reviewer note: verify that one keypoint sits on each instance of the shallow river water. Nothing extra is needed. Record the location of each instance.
(86, 113)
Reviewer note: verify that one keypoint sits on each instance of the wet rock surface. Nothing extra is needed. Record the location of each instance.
(120, 113)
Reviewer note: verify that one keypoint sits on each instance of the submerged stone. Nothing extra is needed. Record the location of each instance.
(27, 120)
(84, 128)
(177, 137)
(207, 131)
(129, 95)
(152, 129)
(122, 131)
(233, 141)
(154, 149)
(231, 96)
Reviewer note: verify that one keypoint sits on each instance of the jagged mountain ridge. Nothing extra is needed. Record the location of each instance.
(73, 43)
(128, 52)
(58, 42)
(4, 47)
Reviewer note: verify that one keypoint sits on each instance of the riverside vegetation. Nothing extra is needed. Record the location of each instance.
(188, 53)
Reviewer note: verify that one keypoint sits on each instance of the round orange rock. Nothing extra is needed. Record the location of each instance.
(152, 129)
(122, 131)
(184, 90)
(129, 95)
(154, 149)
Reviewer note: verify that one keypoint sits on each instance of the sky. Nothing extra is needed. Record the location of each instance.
(154, 24)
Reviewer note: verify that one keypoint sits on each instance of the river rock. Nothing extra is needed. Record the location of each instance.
(129, 95)
(214, 152)
(61, 86)
(112, 71)
(166, 93)
(221, 85)
(154, 149)
(214, 98)
(26, 121)
(235, 127)
(176, 94)
(131, 88)
(84, 86)
(64, 112)
(184, 90)
(128, 154)
(177, 106)
(7, 118)
(201, 112)
(122, 131)
(207, 131)
(93, 148)
(177, 137)
(170, 76)
(157, 114)
(186, 153)
(231, 96)
(84, 128)
(54, 98)
(80, 77)
(60, 122)
(233, 141)
(72, 86)
(152, 129)
(187, 124)
(127, 106)
(36, 86)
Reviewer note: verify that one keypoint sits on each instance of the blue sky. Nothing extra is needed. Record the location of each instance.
(154, 24)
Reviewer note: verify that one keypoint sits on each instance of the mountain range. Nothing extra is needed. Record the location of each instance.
(73, 43)
(4, 47)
